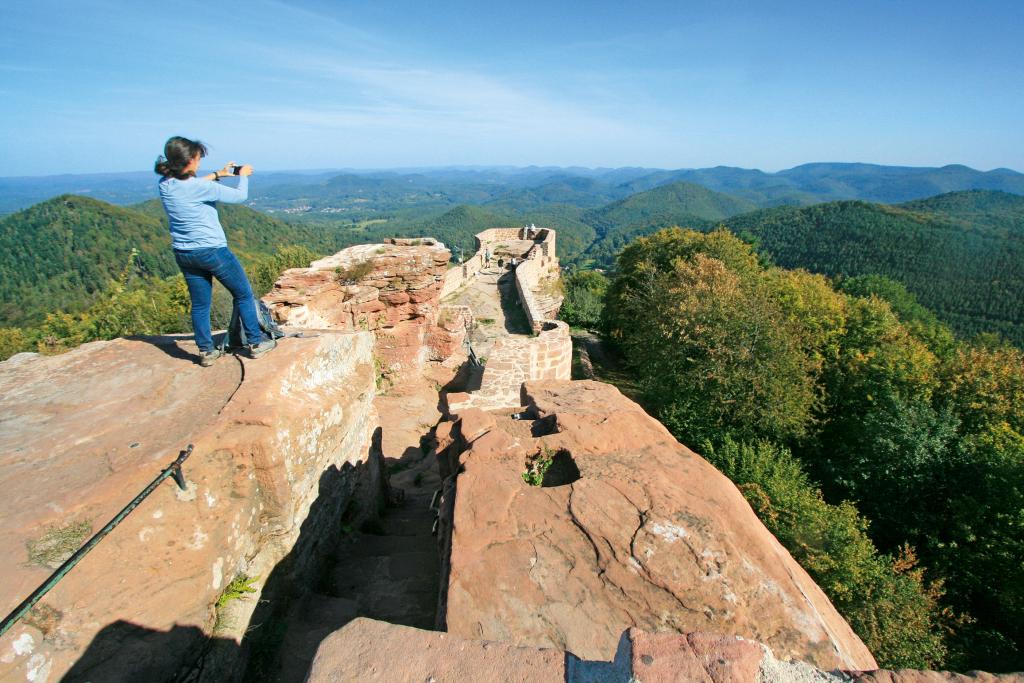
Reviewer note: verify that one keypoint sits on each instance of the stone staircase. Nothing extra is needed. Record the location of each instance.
(389, 570)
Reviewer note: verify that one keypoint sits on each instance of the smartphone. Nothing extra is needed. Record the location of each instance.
(236, 170)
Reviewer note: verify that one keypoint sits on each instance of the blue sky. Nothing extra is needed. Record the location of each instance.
(96, 86)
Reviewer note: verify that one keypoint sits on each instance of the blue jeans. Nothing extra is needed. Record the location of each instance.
(200, 266)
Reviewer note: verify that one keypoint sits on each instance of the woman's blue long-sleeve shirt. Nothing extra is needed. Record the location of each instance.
(192, 210)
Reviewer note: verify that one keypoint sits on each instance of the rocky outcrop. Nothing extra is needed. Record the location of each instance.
(282, 446)
(367, 650)
(391, 289)
(629, 528)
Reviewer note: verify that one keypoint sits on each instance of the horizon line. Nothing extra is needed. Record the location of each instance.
(379, 169)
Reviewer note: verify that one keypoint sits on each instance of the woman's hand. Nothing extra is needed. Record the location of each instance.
(229, 169)
(245, 170)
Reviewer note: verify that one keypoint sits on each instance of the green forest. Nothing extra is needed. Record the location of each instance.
(961, 261)
(884, 453)
(76, 269)
(961, 254)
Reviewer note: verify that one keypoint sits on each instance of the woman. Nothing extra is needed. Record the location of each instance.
(200, 248)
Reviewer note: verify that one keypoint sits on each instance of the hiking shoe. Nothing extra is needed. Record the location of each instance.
(208, 358)
(263, 347)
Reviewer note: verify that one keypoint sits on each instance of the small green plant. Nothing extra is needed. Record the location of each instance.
(239, 587)
(486, 321)
(58, 543)
(379, 250)
(537, 466)
(552, 288)
(381, 380)
(354, 273)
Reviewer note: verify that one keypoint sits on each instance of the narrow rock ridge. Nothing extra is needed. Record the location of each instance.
(650, 535)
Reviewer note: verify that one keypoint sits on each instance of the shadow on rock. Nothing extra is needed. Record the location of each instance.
(290, 619)
(124, 651)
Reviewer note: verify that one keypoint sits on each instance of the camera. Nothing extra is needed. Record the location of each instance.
(236, 170)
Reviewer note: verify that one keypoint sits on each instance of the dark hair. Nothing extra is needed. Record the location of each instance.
(178, 153)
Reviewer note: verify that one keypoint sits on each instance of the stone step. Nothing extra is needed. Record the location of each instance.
(350, 572)
(368, 545)
(309, 621)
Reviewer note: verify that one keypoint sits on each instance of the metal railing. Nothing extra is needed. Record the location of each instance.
(172, 470)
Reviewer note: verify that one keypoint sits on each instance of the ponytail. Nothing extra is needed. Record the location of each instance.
(178, 153)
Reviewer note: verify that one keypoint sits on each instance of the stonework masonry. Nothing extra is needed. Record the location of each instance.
(515, 359)
(518, 359)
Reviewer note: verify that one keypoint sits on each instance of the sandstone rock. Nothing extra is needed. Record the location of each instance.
(373, 650)
(649, 535)
(693, 657)
(367, 650)
(391, 289)
(84, 432)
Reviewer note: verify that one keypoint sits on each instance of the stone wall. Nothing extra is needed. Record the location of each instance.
(461, 273)
(277, 458)
(540, 265)
(492, 235)
(518, 359)
(391, 289)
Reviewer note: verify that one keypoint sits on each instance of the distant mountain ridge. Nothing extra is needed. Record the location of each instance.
(364, 192)
(960, 253)
(818, 182)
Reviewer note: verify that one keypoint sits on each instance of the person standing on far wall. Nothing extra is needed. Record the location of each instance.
(200, 247)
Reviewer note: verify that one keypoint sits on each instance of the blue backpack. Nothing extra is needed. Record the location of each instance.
(235, 339)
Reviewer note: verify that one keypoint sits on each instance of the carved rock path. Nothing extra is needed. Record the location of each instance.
(389, 570)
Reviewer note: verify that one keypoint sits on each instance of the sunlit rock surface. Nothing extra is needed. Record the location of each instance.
(82, 433)
(631, 528)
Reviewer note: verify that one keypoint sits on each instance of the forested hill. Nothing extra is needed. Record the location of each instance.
(1001, 212)
(678, 203)
(961, 254)
(60, 254)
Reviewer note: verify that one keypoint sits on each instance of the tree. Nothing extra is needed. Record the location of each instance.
(584, 298)
(713, 351)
